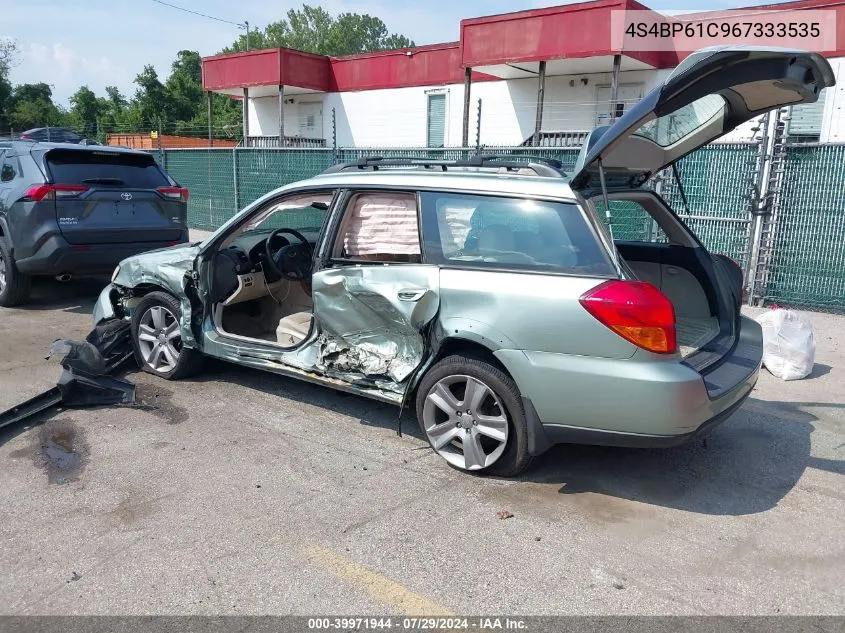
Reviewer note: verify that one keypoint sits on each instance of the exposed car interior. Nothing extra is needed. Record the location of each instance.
(665, 255)
(261, 276)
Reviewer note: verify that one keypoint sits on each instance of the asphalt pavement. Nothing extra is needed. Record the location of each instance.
(240, 492)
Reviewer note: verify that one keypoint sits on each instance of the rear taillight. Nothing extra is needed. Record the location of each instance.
(176, 193)
(53, 192)
(637, 311)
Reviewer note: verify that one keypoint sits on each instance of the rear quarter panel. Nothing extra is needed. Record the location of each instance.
(524, 311)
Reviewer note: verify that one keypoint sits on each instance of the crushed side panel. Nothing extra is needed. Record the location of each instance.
(366, 326)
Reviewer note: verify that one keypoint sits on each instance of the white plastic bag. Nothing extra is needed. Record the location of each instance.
(789, 347)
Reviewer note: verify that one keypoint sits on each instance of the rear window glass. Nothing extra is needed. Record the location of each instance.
(513, 233)
(671, 128)
(103, 169)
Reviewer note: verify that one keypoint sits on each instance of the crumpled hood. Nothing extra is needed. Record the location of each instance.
(163, 265)
(164, 268)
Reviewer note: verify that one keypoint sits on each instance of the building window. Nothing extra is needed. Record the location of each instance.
(805, 122)
(436, 120)
(606, 110)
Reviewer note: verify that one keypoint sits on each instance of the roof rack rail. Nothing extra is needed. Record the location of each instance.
(541, 166)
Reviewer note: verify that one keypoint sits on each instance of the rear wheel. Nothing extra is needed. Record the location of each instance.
(157, 338)
(472, 415)
(14, 286)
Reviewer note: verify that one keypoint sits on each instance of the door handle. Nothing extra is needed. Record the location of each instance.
(411, 294)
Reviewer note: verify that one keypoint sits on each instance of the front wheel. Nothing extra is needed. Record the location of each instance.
(472, 415)
(157, 338)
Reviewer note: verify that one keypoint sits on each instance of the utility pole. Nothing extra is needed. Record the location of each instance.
(246, 24)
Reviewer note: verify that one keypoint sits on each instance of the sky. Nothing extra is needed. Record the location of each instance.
(69, 43)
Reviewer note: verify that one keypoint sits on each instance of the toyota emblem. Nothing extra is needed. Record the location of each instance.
(126, 196)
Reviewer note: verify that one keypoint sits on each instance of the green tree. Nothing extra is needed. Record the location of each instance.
(32, 105)
(8, 57)
(151, 97)
(184, 86)
(314, 30)
(84, 111)
(355, 33)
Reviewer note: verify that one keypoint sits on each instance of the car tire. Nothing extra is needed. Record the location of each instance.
(157, 339)
(14, 286)
(496, 425)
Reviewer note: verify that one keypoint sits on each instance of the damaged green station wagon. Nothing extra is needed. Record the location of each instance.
(490, 294)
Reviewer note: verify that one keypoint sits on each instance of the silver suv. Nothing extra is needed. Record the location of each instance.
(489, 294)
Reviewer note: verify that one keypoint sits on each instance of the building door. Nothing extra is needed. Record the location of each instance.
(311, 120)
(627, 96)
(436, 121)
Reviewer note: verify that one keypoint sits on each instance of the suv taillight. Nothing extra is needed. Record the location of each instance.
(176, 193)
(637, 311)
(37, 193)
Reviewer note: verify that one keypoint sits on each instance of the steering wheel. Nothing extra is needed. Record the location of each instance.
(290, 261)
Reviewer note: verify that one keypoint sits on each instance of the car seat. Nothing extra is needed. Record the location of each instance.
(293, 328)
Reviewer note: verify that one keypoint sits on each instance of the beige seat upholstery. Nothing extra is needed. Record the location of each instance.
(293, 329)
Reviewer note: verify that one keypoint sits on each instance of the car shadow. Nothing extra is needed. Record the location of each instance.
(745, 466)
(76, 296)
(368, 412)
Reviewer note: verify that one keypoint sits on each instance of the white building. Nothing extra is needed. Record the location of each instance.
(542, 77)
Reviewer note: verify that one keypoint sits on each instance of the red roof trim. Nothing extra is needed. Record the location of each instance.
(562, 32)
(444, 63)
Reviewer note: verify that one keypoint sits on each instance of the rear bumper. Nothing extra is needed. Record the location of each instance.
(562, 434)
(575, 399)
(56, 256)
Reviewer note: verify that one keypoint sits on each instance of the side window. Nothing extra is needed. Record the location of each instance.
(631, 222)
(436, 120)
(9, 168)
(379, 227)
(513, 233)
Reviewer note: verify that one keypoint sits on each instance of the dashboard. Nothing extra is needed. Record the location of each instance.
(238, 266)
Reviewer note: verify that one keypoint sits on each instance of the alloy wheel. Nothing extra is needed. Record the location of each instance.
(160, 339)
(465, 422)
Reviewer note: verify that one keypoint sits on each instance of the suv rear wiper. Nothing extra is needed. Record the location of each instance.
(103, 181)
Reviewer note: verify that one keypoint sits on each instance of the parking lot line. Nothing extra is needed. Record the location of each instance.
(378, 586)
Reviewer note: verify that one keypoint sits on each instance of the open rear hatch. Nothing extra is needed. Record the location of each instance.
(103, 196)
(709, 94)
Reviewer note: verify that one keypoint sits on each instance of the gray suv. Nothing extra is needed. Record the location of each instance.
(489, 295)
(69, 209)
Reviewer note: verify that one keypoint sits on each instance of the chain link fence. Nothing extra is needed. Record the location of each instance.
(804, 243)
(806, 239)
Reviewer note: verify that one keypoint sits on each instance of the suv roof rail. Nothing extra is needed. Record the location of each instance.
(541, 166)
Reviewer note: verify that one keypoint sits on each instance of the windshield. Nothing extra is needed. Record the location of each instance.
(303, 212)
(671, 128)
